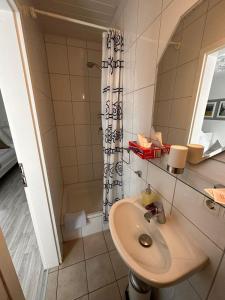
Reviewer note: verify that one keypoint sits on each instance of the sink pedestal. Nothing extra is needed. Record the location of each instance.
(137, 289)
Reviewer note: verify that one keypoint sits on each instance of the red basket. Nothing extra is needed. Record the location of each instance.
(148, 153)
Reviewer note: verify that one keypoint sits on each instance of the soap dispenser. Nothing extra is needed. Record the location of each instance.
(148, 196)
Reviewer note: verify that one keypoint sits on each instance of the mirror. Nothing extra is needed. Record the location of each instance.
(190, 91)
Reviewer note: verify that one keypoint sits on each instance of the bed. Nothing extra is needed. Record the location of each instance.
(7, 153)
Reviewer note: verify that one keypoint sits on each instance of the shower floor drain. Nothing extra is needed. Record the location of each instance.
(145, 240)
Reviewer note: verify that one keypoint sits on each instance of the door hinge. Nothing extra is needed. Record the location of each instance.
(23, 176)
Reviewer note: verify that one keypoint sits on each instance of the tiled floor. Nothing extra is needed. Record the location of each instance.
(92, 270)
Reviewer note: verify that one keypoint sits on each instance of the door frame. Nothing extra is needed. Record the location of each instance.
(18, 98)
(11, 285)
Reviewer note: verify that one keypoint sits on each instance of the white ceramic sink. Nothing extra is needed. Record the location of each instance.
(172, 256)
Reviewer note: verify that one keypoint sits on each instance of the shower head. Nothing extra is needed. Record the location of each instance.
(91, 64)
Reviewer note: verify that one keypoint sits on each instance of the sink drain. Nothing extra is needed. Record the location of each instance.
(145, 240)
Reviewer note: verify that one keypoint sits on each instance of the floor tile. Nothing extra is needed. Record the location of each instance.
(72, 282)
(73, 253)
(51, 286)
(110, 292)
(123, 283)
(94, 245)
(99, 272)
(119, 266)
(109, 241)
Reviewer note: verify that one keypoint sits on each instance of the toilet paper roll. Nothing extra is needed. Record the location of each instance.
(177, 157)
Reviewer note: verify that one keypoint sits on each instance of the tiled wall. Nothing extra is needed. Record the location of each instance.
(37, 59)
(175, 93)
(147, 26)
(77, 104)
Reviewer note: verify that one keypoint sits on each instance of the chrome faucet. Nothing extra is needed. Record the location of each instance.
(155, 209)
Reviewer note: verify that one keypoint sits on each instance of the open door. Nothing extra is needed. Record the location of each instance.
(15, 85)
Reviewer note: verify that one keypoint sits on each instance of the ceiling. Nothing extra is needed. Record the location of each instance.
(99, 12)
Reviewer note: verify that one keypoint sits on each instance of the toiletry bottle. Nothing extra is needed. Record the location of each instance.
(148, 196)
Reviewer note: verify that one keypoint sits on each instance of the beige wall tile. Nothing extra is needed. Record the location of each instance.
(97, 152)
(81, 113)
(217, 291)
(191, 41)
(60, 87)
(84, 155)
(185, 80)
(70, 174)
(166, 85)
(57, 58)
(63, 112)
(94, 45)
(96, 57)
(83, 135)
(95, 109)
(85, 172)
(215, 24)
(95, 89)
(79, 88)
(57, 39)
(68, 156)
(195, 13)
(76, 43)
(77, 61)
(98, 170)
(177, 136)
(163, 115)
(181, 113)
(65, 135)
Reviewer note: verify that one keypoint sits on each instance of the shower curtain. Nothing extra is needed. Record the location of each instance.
(112, 114)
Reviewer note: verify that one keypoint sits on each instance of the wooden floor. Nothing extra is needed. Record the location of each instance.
(17, 227)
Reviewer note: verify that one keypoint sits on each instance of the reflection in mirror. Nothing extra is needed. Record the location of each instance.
(183, 112)
(209, 120)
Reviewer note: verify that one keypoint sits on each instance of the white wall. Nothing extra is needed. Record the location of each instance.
(147, 26)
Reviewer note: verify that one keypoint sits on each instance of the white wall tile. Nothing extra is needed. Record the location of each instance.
(217, 291)
(128, 101)
(156, 177)
(146, 55)
(148, 11)
(202, 280)
(129, 69)
(142, 111)
(190, 203)
(130, 22)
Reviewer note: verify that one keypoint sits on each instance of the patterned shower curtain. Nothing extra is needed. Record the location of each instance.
(112, 114)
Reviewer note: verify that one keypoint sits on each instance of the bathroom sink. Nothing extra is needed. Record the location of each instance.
(172, 257)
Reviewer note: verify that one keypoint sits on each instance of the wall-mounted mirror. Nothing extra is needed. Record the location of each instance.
(190, 91)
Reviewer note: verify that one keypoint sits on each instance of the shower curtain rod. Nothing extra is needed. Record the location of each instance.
(35, 11)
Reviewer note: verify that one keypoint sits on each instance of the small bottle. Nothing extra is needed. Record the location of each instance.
(148, 196)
